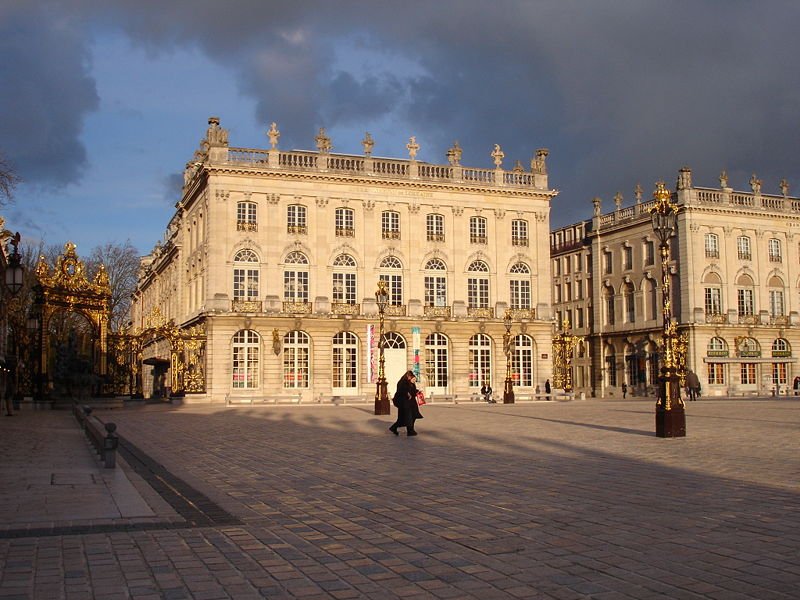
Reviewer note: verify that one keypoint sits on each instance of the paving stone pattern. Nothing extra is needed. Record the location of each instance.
(542, 500)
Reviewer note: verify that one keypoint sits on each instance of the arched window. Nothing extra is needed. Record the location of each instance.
(520, 285)
(477, 230)
(296, 219)
(246, 219)
(245, 275)
(296, 353)
(436, 360)
(781, 347)
(345, 222)
(392, 274)
(777, 306)
(745, 295)
(344, 279)
(345, 360)
(393, 340)
(717, 347)
(712, 290)
(480, 360)
(522, 360)
(244, 361)
(435, 283)
(295, 278)
(478, 286)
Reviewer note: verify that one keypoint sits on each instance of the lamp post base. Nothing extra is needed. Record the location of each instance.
(382, 398)
(670, 423)
(508, 392)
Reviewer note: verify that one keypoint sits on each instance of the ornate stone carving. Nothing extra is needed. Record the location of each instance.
(368, 143)
(216, 136)
(274, 135)
(539, 162)
(498, 155)
(454, 154)
(458, 211)
(784, 185)
(413, 147)
(755, 184)
(324, 145)
(723, 179)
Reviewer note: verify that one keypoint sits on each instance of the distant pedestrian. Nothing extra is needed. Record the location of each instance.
(624, 390)
(796, 386)
(692, 385)
(486, 392)
(547, 389)
(405, 399)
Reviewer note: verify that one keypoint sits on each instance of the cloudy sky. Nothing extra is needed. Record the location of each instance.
(102, 102)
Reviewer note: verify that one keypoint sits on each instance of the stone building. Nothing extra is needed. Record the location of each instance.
(735, 277)
(263, 287)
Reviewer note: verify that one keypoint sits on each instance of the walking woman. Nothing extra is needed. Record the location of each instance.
(405, 399)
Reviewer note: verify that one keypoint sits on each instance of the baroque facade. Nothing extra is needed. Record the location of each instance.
(735, 277)
(271, 262)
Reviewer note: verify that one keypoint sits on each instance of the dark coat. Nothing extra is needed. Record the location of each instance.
(405, 399)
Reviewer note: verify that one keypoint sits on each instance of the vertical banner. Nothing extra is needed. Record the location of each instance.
(371, 353)
(415, 331)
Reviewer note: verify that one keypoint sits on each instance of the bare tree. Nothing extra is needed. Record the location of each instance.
(8, 181)
(122, 265)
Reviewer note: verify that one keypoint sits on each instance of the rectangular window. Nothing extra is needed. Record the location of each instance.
(775, 254)
(748, 373)
(716, 373)
(556, 267)
(344, 367)
(395, 287)
(435, 227)
(246, 216)
(522, 366)
(649, 253)
(608, 262)
(519, 232)
(344, 288)
(245, 284)
(610, 309)
(295, 286)
(611, 369)
(436, 366)
(712, 245)
(477, 230)
(713, 301)
(435, 291)
(743, 248)
(480, 362)
(578, 263)
(557, 294)
(296, 219)
(390, 225)
(345, 222)
(477, 292)
(628, 254)
(579, 321)
(776, 308)
(779, 376)
(579, 289)
(567, 265)
(745, 302)
(520, 294)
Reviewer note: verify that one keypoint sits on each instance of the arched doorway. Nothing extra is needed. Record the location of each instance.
(395, 356)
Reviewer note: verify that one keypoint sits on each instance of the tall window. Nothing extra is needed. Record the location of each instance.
(609, 297)
(608, 262)
(712, 292)
(345, 222)
(393, 276)
(712, 245)
(776, 304)
(345, 360)
(296, 219)
(556, 267)
(246, 216)
(716, 373)
(519, 232)
(522, 360)
(745, 295)
(435, 228)
(627, 253)
(244, 361)
(630, 303)
(520, 284)
(296, 352)
(748, 372)
(436, 357)
(245, 275)
(390, 225)
(774, 248)
(295, 278)
(779, 376)
(611, 368)
(649, 253)
(478, 286)
(480, 360)
(436, 283)
(652, 299)
(344, 279)
(743, 247)
(477, 230)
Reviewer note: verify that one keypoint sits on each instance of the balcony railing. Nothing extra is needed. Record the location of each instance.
(519, 241)
(522, 313)
(302, 229)
(395, 310)
(297, 308)
(435, 237)
(249, 306)
(345, 232)
(391, 235)
(480, 312)
(718, 318)
(748, 320)
(344, 308)
(437, 311)
(779, 320)
(246, 226)
(477, 239)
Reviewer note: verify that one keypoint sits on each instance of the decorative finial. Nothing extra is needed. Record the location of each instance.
(618, 200)
(723, 179)
(498, 155)
(323, 142)
(454, 154)
(755, 184)
(368, 143)
(784, 187)
(412, 146)
(597, 204)
(274, 135)
(638, 193)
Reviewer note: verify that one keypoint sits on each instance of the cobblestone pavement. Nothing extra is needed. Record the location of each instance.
(542, 500)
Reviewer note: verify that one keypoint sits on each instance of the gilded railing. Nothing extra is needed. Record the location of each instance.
(343, 308)
(297, 229)
(246, 226)
(522, 313)
(480, 312)
(249, 306)
(437, 311)
(297, 308)
(718, 318)
(395, 310)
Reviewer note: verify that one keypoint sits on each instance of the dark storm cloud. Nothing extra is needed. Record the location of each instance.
(621, 92)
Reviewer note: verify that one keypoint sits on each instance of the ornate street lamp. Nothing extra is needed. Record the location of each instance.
(508, 387)
(381, 393)
(670, 414)
(14, 269)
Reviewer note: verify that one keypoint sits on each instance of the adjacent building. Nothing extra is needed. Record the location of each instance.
(734, 275)
(263, 287)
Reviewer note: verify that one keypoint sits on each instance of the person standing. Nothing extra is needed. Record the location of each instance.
(547, 389)
(692, 384)
(405, 399)
(624, 390)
